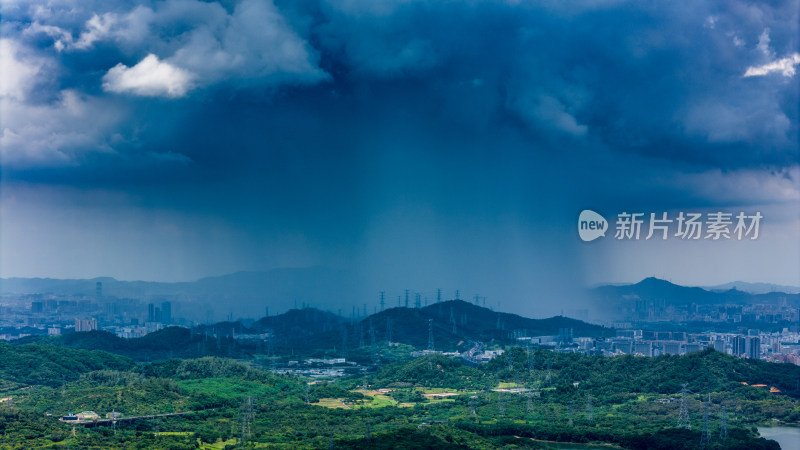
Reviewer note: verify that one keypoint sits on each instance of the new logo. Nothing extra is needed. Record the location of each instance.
(591, 225)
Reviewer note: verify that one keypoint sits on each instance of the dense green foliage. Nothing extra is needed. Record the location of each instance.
(170, 342)
(427, 402)
(312, 332)
(51, 365)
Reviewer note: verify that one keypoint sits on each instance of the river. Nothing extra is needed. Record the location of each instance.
(787, 437)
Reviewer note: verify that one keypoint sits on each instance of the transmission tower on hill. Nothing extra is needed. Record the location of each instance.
(571, 404)
(371, 334)
(705, 438)
(529, 403)
(388, 330)
(530, 360)
(723, 424)
(547, 378)
(344, 341)
(430, 334)
(683, 412)
(589, 409)
(501, 409)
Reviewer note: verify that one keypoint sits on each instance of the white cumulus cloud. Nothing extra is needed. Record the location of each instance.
(57, 133)
(18, 73)
(97, 28)
(784, 66)
(151, 77)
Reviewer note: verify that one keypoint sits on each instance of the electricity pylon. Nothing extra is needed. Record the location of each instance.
(683, 412)
(705, 438)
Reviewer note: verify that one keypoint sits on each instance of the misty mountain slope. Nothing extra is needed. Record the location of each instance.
(162, 344)
(312, 331)
(664, 293)
(754, 288)
(472, 323)
(303, 320)
(239, 293)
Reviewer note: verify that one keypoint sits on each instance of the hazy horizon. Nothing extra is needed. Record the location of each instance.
(192, 280)
(427, 144)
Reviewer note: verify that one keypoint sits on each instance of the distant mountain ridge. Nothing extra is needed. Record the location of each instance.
(311, 331)
(239, 293)
(243, 281)
(454, 324)
(666, 293)
(755, 288)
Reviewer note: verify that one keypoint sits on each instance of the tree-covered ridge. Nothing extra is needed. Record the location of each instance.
(515, 401)
(704, 371)
(313, 332)
(52, 365)
(170, 342)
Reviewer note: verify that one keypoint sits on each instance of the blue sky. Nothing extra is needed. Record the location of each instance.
(417, 144)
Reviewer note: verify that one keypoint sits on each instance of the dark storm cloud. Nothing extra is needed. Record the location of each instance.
(473, 131)
(658, 79)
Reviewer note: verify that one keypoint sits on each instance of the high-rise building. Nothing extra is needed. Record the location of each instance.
(754, 348)
(671, 347)
(739, 344)
(98, 290)
(644, 348)
(151, 312)
(85, 324)
(166, 312)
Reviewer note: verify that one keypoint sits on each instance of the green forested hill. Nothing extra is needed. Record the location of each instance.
(313, 332)
(702, 372)
(515, 401)
(51, 365)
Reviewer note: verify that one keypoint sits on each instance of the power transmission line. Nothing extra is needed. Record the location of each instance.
(705, 438)
(589, 409)
(683, 412)
(549, 364)
(430, 334)
(344, 341)
(571, 404)
(248, 415)
(388, 330)
(501, 409)
(529, 403)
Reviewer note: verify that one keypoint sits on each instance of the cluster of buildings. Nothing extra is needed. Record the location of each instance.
(781, 346)
(54, 314)
(641, 310)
